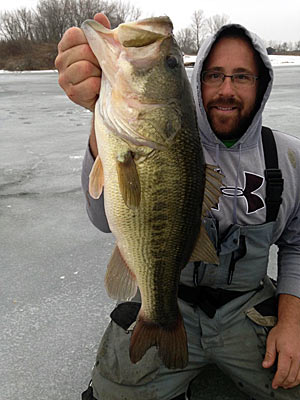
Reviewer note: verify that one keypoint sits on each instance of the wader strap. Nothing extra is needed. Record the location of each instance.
(88, 394)
(207, 298)
(273, 175)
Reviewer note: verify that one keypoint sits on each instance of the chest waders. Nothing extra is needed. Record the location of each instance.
(243, 250)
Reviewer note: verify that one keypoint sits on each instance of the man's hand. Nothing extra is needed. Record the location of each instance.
(79, 71)
(284, 341)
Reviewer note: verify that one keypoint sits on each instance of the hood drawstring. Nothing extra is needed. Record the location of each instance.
(218, 155)
(234, 211)
(236, 187)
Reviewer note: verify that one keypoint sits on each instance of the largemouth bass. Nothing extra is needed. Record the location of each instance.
(152, 167)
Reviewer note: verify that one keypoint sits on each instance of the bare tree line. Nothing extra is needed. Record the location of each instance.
(282, 47)
(52, 18)
(191, 38)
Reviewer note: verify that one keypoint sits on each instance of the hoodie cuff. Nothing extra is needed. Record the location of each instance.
(288, 285)
(94, 207)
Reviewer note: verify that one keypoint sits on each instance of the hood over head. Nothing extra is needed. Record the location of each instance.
(252, 133)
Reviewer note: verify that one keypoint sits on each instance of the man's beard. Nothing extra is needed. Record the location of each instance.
(238, 124)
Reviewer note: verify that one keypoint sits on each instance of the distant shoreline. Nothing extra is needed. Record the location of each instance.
(276, 61)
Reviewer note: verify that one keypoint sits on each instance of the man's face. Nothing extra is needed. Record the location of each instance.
(228, 108)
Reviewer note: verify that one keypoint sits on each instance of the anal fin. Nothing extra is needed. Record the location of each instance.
(120, 282)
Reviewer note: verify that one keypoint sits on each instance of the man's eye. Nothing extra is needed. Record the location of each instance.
(242, 77)
(213, 75)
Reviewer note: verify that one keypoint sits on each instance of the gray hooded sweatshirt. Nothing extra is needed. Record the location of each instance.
(239, 216)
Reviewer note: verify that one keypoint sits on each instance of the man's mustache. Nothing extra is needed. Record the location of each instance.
(223, 102)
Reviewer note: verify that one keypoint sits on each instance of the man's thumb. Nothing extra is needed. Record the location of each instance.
(270, 355)
(102, 19)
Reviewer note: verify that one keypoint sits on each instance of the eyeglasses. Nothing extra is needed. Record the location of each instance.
(216, 78)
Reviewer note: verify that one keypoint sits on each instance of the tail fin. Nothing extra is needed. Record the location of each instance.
(171, 342)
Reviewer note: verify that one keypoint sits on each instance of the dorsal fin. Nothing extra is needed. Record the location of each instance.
(204, 249)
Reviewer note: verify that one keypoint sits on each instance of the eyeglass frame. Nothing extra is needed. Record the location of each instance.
(255, 78)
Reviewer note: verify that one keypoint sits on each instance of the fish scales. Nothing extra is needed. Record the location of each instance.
(159, 235)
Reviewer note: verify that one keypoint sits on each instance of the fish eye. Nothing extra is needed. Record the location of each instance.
(172, 62)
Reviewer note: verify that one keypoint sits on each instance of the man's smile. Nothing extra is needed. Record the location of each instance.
(224, 109)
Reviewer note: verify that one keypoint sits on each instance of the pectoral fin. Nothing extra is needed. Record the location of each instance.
(120, 282)
(204, 249)
(96, 179)
(129, 181)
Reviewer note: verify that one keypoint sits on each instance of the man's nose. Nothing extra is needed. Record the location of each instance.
(227, 87)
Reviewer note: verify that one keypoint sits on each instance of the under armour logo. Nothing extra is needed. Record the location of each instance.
(252, 183)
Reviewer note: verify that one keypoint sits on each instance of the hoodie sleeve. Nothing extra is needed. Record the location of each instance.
(95, 208)
(288, 241)
(289, 258)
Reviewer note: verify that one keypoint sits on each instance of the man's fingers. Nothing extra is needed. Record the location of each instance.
(293, 378)
(102, 19)
(73, 55)
(269, 359)
(84, 93)
(72, 37)
(283, 369)
(79, 72)
(271, 353)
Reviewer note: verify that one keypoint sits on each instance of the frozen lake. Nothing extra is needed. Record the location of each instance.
(53, 305)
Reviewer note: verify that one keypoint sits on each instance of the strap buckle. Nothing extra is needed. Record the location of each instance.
(274, 190)
(274, 185)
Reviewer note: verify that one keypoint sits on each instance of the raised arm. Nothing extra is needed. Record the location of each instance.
(80, 78)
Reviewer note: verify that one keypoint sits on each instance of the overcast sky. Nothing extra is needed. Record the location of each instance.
(271, 19)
